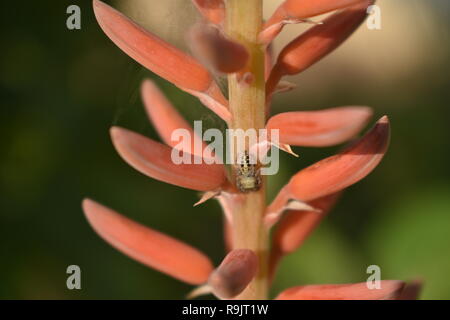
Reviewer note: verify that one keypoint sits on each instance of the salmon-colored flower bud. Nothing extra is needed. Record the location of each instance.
(166, 119)
(320, 128)
(148, 246)
(344, 169)
(234, 273)
(155, 160)
(390, 290)
(212, 10)
(156, 55)
(317, 42)
(221, 53)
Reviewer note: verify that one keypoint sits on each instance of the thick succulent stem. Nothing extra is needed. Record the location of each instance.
(247, 105)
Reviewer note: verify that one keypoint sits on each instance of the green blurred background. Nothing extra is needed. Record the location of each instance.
(62, 90)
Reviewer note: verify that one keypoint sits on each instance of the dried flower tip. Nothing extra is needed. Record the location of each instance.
(259, 150)
(234, 273)
(273, 217)
(286, 148)
(207, 196)
(199, 291)
(284, 86)
(295, 226)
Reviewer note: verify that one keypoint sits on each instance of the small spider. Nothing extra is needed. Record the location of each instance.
(248, 177)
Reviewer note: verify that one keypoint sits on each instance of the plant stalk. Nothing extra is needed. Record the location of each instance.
(247, 106)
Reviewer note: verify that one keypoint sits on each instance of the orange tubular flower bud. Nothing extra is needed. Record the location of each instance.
(338, 172)
(160, 57)
(212, 10)
(154, 160)
(320, 128)
(234, 273)
(317, 42)
(390, 290)
(148, 246)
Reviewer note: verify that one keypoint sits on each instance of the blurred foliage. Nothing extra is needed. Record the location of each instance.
(62, 90)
